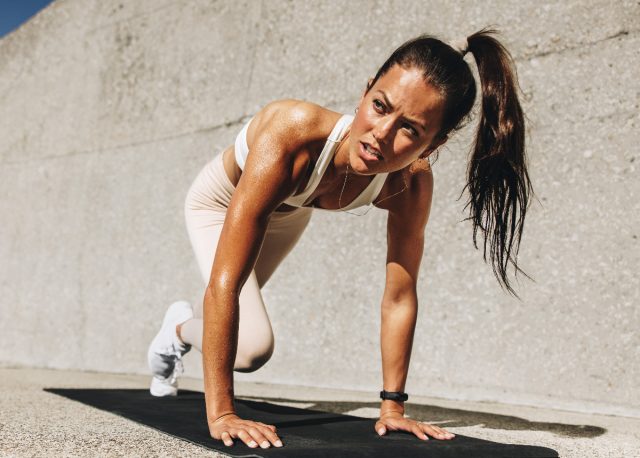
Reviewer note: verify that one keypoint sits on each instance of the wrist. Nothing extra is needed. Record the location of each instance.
(218, 400)
(219, 408)
(218, 416)
(388, 406)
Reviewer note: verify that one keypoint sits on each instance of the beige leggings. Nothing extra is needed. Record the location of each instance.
(205, 209)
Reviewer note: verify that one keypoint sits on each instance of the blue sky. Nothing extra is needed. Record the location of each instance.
(15, 12)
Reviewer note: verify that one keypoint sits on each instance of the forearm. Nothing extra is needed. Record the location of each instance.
(396, 340)
(219, 348)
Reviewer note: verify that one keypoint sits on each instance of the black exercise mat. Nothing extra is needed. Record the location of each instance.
(304, 432)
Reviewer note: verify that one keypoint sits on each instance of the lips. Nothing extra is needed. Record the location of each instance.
(370, 153)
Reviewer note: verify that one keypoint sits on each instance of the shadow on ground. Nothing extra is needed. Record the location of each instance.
(458, 418)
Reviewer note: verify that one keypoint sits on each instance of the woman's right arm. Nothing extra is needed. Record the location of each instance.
(271, 174)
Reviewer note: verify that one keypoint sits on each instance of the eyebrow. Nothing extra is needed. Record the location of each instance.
(384, 96)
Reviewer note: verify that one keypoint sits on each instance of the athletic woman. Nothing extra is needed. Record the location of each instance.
(248, 207)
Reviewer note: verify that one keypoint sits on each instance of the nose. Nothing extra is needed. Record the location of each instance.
(383, 129)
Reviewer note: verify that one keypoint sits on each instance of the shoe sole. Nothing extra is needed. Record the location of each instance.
(161, 388)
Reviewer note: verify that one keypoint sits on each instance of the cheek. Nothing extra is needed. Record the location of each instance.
(359, 130)
(403, 146)
(360, 123)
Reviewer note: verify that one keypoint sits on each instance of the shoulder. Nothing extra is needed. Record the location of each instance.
(409, 211)
(408, 191)
(292, 123)
(283, 139)
(421, 181)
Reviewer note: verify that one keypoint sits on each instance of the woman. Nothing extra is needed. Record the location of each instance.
(245, 212)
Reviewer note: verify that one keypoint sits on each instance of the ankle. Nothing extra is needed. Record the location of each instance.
(179, 332)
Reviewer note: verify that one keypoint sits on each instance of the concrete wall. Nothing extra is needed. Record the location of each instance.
(109, 109)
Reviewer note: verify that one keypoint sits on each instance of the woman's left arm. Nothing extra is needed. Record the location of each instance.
(407, 219)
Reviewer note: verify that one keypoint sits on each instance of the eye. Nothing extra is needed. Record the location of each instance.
(411, 129)
(379, 106)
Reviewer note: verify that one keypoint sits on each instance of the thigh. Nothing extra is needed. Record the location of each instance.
(283, 232)
(204, 228)
(205, 210)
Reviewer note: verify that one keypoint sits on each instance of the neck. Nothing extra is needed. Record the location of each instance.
(341, 157)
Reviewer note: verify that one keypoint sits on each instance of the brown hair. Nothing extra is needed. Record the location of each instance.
(497, 177)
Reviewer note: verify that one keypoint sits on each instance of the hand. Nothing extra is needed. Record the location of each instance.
(395, 421)
(250, 432)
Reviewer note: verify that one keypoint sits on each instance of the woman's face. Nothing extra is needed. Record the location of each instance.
(396, 122)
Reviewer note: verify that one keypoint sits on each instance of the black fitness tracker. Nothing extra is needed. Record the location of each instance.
(394, 395)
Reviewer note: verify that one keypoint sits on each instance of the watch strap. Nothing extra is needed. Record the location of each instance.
(394, 395)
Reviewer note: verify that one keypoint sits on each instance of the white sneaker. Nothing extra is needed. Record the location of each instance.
(166, 351)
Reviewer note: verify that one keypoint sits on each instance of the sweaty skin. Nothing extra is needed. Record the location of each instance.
(398, 118)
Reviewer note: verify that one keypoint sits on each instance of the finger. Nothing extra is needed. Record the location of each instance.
(380, 428)
(419, 432)
(273, 437)
(259, 437)
(226, 438)
(430, 430)
(246, 438)
(434, 431)
(444, 434)
(271, 427)
(392, 424)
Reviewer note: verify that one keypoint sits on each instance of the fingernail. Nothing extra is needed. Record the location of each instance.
(381, 431)
(278, 443)
(264, 444)
(424, 436)
(253, 444)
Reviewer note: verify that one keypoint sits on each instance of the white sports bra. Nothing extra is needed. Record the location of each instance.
(365, 198)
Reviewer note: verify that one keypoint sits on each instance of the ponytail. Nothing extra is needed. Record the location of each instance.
(497, 177)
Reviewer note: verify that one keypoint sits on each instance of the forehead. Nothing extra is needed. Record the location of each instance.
(410, 93)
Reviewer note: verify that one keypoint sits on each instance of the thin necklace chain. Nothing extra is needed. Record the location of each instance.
(369, 206)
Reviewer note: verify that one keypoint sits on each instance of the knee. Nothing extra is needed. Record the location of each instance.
(251, 361)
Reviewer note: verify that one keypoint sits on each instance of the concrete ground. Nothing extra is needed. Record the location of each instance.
(37, 423)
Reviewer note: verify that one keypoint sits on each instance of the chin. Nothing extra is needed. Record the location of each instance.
(358, 166)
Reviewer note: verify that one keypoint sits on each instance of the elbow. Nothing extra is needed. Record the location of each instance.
(394, 297)
(218, 294)
(223, 284)
(406, 302)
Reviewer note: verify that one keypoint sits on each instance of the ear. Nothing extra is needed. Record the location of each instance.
(434, 146)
